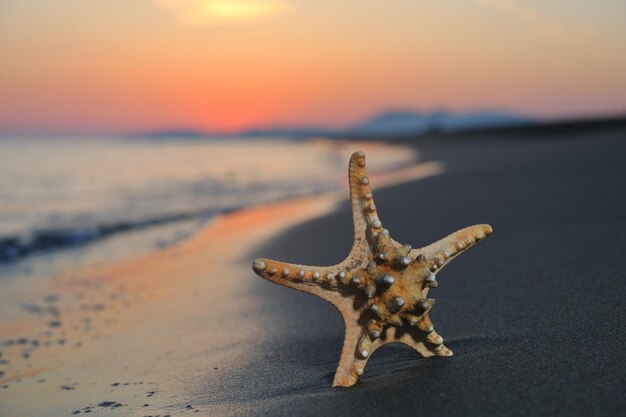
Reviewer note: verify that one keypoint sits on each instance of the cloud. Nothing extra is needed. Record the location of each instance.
(219, 12)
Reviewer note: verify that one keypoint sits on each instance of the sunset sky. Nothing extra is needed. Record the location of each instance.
(79, 66)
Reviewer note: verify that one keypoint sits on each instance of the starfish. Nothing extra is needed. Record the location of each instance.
(381, 288)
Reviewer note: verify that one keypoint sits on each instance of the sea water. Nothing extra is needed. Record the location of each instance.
(68, 202)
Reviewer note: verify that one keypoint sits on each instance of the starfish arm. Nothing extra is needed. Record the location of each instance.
(426, 344)
(357, 349)
(364, 215)
(321, 281)
(440, 253)
(347, 374)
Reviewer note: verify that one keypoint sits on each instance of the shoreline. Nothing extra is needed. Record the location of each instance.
(113, 309)
(49, 239)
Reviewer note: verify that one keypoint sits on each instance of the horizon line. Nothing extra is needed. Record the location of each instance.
(323, 128)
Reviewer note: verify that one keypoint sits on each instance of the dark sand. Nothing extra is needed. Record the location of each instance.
(535, 314)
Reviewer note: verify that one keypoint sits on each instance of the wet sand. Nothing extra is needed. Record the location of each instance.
(534, 314)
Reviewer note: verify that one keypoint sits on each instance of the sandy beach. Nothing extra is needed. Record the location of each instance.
(533, 314)
(172, 171)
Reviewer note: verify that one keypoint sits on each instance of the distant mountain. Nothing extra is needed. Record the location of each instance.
(389, 123)
(409, 122)
(404, 122)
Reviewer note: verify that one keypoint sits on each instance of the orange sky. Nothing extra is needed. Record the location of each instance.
(117, 65)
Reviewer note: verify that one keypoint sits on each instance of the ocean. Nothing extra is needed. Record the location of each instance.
(68, 202)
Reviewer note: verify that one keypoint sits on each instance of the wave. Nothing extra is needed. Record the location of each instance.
(14, 247)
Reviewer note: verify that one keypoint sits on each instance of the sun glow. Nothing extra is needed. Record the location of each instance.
(206, 12)
(227, 65)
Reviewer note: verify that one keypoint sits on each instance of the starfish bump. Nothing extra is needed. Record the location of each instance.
(381, 288)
